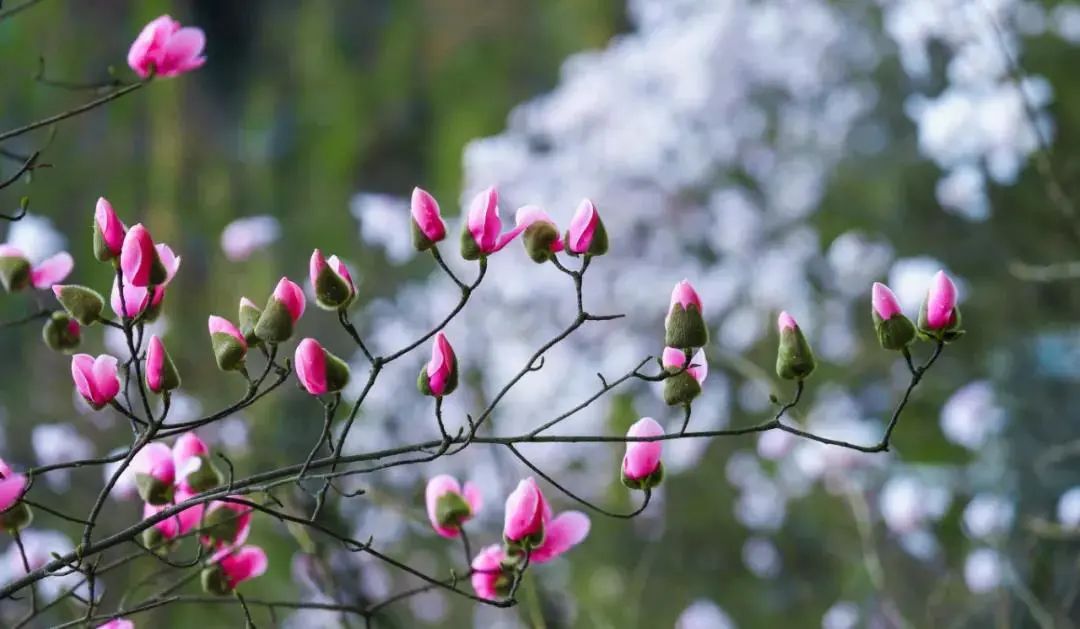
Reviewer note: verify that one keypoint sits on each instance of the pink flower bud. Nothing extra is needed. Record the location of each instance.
(51, 270)
(786, 322)
(156, 461)
(332, 282)
(12, 486)
(292, 297)
(685, 295)
(941, 302)
(138, 257)
(155, 365)
(441, 370)
(187, 454)
(181, 523)
(448, 506)
(483, 226)
(118, 623)
(135, 299)
(675, 358)
(488, 571)
(222, 325)
(228, 524)
(884, 302)
(642, 457)
(582, 228)
(109, 228)
(426, 216)
(310, 363)
(95, 378)
(526, 512)
(241, 564)
(165, 49)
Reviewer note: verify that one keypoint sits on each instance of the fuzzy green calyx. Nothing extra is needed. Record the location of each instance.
(275, 324)
(58, 333)
(17, 517)
(249, 317)
(153, 490)
(451, 510)
(229, 352)
(649, 482)
(207, 477)
(332, 291)
(945, 335)
(214, 581)
(794, 358)
(894, 333)
(686, 327)
(14, 273)
(469, 249)
(538, 239)
(680, 389)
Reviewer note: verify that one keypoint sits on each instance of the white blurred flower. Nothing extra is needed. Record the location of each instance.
(761, 557)
(385, 221)
(988, 516)
(245, 236)
(39, 547)
(36, 237)
(704, 614)
(125, 484)
(984, 570)
(842, 615)
(971, 416)
(58, 443)
(1068, 508)
(907, 503)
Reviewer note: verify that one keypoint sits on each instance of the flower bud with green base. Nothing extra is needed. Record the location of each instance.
(14, 514)
(641, 465)
(282, 311)
(683, 385)
(249, 316)
(228, 344)
(449, 505)
(82, 303)
(109, 232)
(428, 227)
(17, 517)
(161, 374)
(685, 324)
(14, 269)
(540, 235)
(231, 567)
(156, 541)
(894, 330)
(318, 370)
(491, 577)
(586, 234)
(794, 358)
(439, 377)
(61, 333)
(155, 473)
(333, 284)
(225, 524)
(480, 235)
(939, 317)
(140, 261)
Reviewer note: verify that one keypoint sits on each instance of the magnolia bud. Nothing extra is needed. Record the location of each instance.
(108, 232)
(214, 581)
(156, 541)
(281, 313)
(641, 466)
(82, 303)
(14, 269)
(222, 525)
(683, 385)
(439, 376)
(249, 316)
(685, 324)
(228, 344)
(894, 330)
(428, 227)
(939, 317)
(18, 517)
(206, 477)
(161, 374)
(61, 333)
(318, 370)
(586, 234)
(153, 490)
(333, 285)
(794, 358)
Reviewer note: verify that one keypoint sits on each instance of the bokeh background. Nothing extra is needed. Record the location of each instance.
(781, 154)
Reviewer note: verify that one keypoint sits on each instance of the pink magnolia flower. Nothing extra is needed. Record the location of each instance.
(642, 457)
(685, 295)
(51, 270)
(222, 325)
(12, 486)
(426, 215)
(95, 378)
(310, 364)
(487, 572)
(941, 302)
(292, 297)
(484, 224)
(181, 523)
(109, 226)
(526, 511)
(187, 454)
(155, 364)
(441, 367)
(884, 302)
(676, 358)
(229, 524)
(329, 294)
(138, 256)
(239, 565)
(582, 227)
(166, 49)
(118, 623)
(786, 322)
(156, 461)
(561, 533)
(445, 485)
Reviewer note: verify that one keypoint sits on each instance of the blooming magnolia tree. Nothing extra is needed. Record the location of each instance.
(199, 508)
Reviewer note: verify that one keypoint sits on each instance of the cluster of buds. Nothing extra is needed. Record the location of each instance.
(531, 533)
(939, 316)
(684, 331)
(482, 233)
